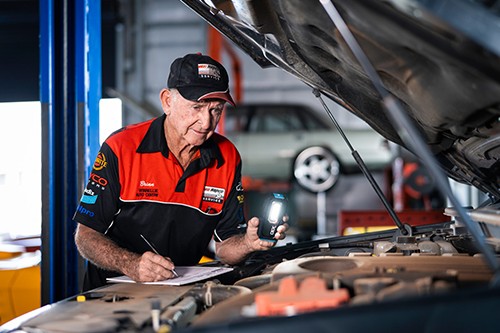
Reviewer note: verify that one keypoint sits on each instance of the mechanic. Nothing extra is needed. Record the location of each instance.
(168, 185)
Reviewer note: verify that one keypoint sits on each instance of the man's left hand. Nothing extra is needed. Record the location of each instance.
(252, 236)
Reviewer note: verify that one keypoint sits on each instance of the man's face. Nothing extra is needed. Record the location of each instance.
(193, 122)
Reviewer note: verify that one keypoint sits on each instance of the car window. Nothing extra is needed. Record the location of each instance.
(235, 120)
(271, 119)
(275, 119)
(311, 121)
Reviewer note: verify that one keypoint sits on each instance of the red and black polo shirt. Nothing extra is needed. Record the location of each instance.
(138, 187)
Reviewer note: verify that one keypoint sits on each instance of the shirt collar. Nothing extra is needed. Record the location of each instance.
(155, 141)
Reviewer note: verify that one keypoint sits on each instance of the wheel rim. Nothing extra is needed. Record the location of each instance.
(316, 169)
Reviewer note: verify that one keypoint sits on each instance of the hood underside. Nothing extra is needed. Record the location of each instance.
(439, 59)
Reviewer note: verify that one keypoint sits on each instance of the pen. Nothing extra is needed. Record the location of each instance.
(154, 250)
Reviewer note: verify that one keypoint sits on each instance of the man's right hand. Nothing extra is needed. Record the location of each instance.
(104, 253)
(150, 267)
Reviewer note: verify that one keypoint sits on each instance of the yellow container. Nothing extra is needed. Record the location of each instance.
(20, 290)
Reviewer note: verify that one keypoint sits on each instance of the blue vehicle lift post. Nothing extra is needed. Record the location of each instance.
(70, 90)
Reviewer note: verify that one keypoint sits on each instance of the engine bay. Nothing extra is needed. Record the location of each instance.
(433, 266)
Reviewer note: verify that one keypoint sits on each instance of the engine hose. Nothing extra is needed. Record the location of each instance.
(180, 314)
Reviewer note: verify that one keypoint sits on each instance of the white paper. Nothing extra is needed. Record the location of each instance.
(187, 274)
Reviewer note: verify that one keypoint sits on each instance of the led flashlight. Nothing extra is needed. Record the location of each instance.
(274, 209)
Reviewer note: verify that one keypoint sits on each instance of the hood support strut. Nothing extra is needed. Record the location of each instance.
(403, 229)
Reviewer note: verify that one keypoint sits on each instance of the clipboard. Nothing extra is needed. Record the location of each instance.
(187, 275)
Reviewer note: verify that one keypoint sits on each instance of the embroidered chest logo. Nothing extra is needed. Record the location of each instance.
(146, 190)
(213, 194)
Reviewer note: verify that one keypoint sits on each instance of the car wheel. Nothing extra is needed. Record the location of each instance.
(316, 169)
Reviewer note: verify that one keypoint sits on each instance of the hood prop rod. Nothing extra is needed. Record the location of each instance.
(410, 136)
(403, 229)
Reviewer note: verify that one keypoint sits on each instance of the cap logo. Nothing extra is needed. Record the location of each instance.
(208, 71)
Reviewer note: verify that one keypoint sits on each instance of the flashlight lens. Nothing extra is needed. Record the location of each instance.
(274, 212)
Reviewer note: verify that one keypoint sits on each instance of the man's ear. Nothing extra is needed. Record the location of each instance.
(166, 100)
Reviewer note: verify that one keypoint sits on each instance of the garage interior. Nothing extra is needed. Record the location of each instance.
(131, 44)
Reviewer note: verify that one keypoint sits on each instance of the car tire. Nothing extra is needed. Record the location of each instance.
(316, 169)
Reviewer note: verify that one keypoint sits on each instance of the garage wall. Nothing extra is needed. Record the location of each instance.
(155, 32)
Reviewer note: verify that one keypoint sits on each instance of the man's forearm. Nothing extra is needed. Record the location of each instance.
(103, 252)
(233, 250)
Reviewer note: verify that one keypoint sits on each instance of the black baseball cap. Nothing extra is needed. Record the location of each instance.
(199, 77)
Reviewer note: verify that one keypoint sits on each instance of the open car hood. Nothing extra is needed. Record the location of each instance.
(439, 59)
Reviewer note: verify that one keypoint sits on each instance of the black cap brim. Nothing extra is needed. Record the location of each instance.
(201, 93)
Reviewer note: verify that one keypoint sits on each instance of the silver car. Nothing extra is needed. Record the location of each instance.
(290, 142)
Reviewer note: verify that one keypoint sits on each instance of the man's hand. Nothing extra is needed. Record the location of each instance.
(234, 249)
(150, 267)
(252, 236)
(104, 253)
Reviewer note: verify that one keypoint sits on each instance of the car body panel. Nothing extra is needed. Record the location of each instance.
(269, 153)
(276, 152)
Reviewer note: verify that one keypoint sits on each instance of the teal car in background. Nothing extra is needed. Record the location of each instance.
(291, 142)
